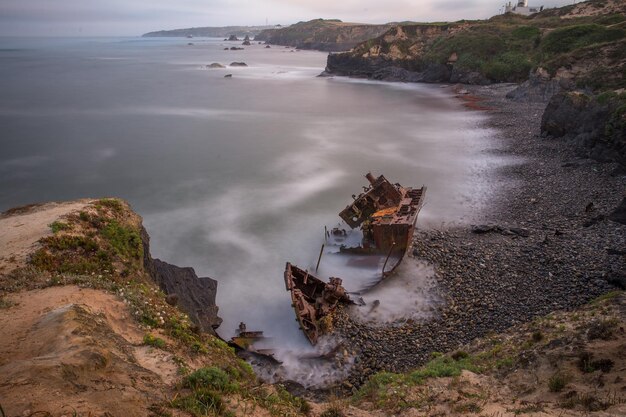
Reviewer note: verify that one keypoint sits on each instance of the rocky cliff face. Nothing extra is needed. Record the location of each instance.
(586, 49)
(85, 330)
(194, 295)
(596, 126)
(323, 35)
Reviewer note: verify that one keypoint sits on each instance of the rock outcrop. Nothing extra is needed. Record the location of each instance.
(193, 295)
(584, 51)
(323, 35)
(596, 127)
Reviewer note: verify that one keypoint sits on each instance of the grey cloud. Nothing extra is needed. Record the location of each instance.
(133, 17)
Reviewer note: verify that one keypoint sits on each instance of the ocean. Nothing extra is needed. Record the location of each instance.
(233, 176)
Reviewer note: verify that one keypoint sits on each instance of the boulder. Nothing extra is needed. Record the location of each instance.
(539, 88)
(235, 48)
(596, 129)
(238, 64)
(233, 38)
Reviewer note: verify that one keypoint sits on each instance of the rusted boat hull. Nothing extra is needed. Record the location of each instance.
(386, 214)
(313, 300)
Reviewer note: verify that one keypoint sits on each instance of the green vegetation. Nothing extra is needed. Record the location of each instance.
(507, 47)
(154, 341)
(211, 378)
(205, 389)
(124, 240)
(113, 204)
(389, 390)
(578, 36)
(201, 402)
(557, 382)
(59, 226)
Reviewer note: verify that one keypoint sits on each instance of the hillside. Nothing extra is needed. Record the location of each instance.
(563, 364)
(86, 330)
(324, 35)
(584, 44)
(574, 56)
(210, 32)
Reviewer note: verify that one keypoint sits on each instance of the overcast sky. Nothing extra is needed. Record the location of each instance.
(134, 17)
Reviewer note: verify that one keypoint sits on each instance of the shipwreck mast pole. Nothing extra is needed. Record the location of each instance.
(388, 255)
(319, 258)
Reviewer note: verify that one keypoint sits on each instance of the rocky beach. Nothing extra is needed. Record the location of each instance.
(546, 244)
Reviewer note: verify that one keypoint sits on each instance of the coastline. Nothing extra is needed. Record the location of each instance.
(546, 245)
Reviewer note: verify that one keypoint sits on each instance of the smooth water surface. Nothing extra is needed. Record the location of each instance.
(233, 176)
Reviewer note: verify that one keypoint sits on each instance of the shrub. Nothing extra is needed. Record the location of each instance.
(525, 32)
(577, 36)
(601, 330)
(111, 203)
(125, 240)
(58, 226)
(210, 377)
(510, 66)
(151, 340)
(333, 411)
(557, 382)
(201, 402)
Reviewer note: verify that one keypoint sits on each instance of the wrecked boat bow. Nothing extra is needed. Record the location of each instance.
(314, 300)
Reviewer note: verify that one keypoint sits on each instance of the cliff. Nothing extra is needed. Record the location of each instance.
(210, 32)
(323, 35)
(90, 324)
(584, 44)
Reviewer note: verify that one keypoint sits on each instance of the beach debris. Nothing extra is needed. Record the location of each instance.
(249, 341)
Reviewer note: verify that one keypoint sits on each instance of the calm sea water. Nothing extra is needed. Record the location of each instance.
(233, 176)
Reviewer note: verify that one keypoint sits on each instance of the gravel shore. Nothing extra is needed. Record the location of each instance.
(545, 245)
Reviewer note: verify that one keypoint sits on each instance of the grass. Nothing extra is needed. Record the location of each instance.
(125, 240)
(59, 226)
(205, 388)
(567, 39)
(154, 341)
(557, 382)
(389, 390)
(201, 402)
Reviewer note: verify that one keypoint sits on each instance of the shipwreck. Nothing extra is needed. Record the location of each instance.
(383, 219)
(386, 214)
(314, 300)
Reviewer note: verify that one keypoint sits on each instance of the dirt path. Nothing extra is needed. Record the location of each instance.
(21, 228)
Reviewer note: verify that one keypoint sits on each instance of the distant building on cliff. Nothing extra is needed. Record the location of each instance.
(521, 8)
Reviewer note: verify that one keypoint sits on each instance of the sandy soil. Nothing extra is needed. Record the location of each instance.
(21, 228)
(67, 348)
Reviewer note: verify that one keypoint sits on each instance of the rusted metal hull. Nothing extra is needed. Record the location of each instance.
(313, 300)
(386, 214)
